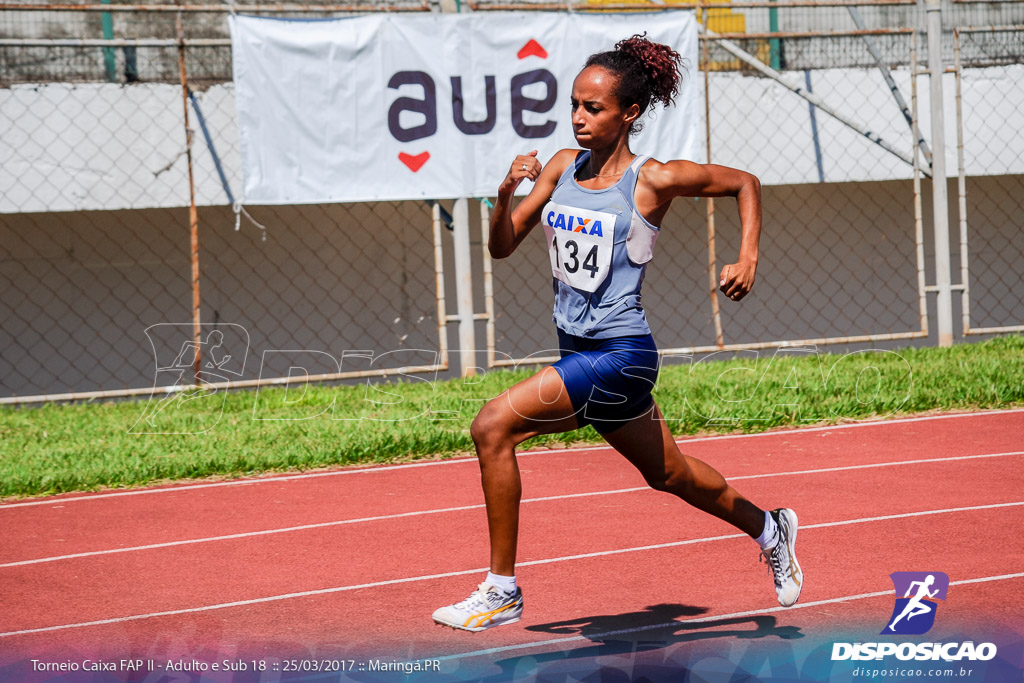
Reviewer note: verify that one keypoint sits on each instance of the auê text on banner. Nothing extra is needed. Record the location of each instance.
(396, 107)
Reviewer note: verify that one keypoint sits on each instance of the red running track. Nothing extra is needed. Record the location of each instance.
(350, 563)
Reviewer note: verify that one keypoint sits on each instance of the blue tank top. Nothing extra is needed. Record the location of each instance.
(599, 246)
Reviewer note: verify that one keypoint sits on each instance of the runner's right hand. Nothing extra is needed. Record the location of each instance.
(525, 167)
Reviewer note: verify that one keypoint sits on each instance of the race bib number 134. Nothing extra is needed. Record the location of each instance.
(579, 245)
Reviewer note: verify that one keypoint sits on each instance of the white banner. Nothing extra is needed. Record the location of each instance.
(392, 107)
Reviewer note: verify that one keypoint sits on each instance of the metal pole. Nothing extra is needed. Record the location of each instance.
(940, 206)
(712, 254)
(988, 29)
(760, 66)
(887, 75)
(961, 184)
(922, 297)
(226, 42)
(241, 384)
(774, 44)
(485, 236)
(114, 42)
(788, 344)
(814, 130)
(290, 8)
(224, 8)
(193, 215)
(107, 25)
(464, 288)
(442, 314)
(655, 6)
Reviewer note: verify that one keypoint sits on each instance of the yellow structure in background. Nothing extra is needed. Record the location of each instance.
(717, 19)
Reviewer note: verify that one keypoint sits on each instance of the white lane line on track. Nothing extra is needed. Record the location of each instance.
(480, 570)
(698, 620)
(852, 425)
(455, 461)
(876, 464)
(418, 513)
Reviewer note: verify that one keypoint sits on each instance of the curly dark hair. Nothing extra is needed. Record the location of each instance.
(648, 73)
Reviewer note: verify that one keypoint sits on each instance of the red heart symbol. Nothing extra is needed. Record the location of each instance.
(532, 49)
(414, 163)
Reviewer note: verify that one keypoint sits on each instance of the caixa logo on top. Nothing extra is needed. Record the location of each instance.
(914, 612)
(427, 108)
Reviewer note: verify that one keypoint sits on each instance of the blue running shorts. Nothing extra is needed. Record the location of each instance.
(609, 380)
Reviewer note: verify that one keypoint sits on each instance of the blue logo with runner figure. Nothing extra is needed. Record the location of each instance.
(914, 613)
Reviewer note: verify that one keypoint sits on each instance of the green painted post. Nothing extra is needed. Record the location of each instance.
(773, 43)
(107, 21)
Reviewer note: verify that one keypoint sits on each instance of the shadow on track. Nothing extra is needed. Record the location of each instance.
(623, 636)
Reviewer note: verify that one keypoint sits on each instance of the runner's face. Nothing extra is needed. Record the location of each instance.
(597, 119)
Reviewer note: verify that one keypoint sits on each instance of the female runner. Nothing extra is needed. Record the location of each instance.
(601, 208)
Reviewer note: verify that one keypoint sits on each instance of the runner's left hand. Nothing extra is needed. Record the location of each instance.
(737, 279)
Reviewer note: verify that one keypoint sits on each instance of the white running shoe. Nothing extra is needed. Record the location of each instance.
(789, 578)
(485, 607)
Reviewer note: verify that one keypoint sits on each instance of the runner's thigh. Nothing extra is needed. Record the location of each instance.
(537, 405)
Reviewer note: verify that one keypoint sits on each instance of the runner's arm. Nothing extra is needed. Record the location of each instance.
(687, 179)
(510, 227)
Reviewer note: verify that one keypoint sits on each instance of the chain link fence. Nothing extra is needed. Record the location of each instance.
(98, 254)
(990, 187)
(92, 294)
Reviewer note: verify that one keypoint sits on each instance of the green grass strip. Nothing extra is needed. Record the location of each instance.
(87, 446)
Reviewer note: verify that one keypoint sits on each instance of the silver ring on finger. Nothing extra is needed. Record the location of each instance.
(524, 167)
